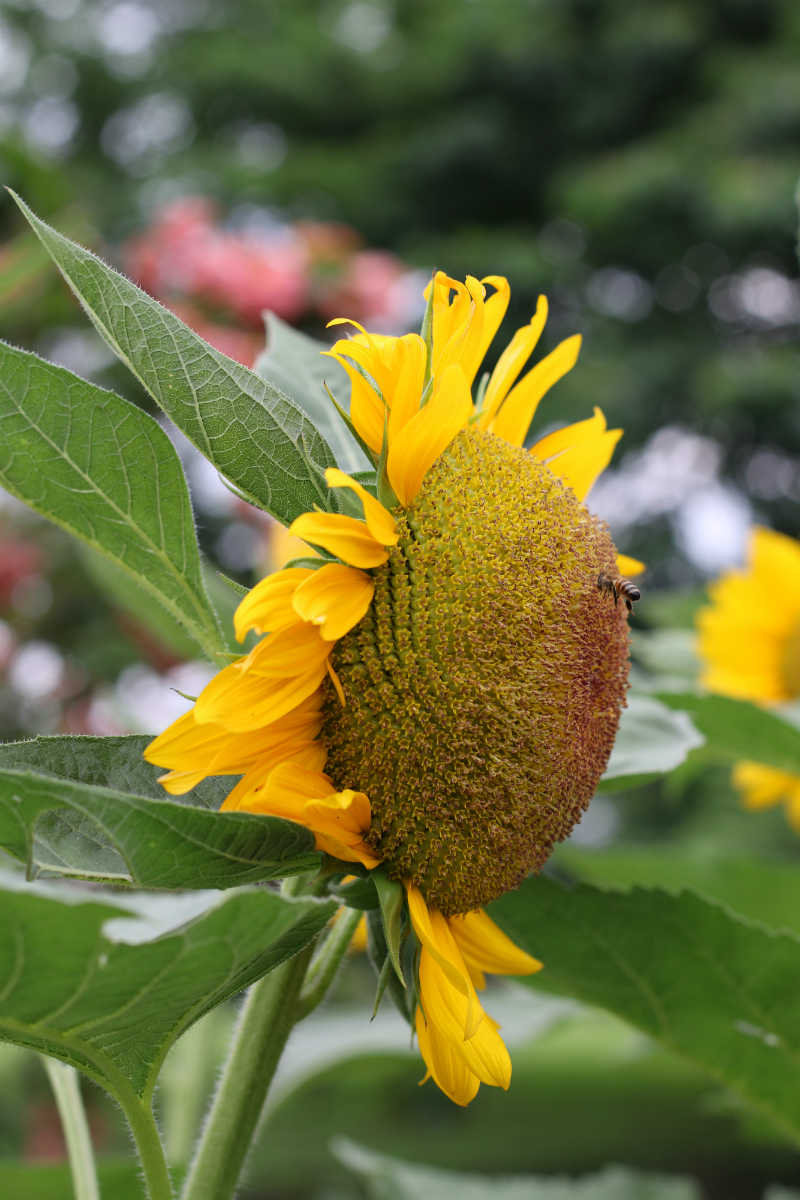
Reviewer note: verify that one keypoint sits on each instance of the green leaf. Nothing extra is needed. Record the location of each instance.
(108, 984)
(57, 826)
(704, 982)
(294, 363)
(736, 729)
(391, 895)
(107, 762)
(104, 470)
(359, 893)
(391, 1179)
(254, 435)
(652, 739)
(761, 891)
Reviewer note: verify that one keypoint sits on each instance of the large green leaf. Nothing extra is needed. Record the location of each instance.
(254, 435)
(104, 470)
(108, 984)
(652, 739)
(391, 1179)
(706, 983)
(107, 762)
(736, 729)
(58, 826)
(295, 364)
(761, 891)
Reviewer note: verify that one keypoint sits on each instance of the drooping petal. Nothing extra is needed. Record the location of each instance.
(345, 537)
(511, 362)
(334, 598)
(277, 676)
(514, 418)
(380, 521)
(484, 944)
(248, 795)
(629, 566)
(579, 453)
(428, 433)
(267, 608)
(447, 1069)
(346, 815)
(452, 967)
(192, 751)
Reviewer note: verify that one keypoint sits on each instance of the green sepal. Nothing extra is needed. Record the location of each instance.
(368, 480)
(368, 451)
(359, 893)
(391, 896)
(310, 564)
(378, 953)
(337, 866)
(383, 979)
(239, 588)
(385, 494)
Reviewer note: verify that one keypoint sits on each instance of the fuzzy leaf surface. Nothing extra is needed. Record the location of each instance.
(108, 984)
(706, 983)
(102, 469)
(60, 826)
(254, 435)
(652, 739)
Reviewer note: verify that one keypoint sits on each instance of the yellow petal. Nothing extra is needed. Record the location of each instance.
(446, 1010)
(494, 309)
(267, 608)
(456, 974)
(248, 795)
(345, 537)
(514, 418)
(428, 434)
(193, 751)
(629, 566)
(580, 452)
(334, 598)
(279, 674)
(447, 318)
(380, 521)
(298, 783)
(447, 1069)
(762, 786)
(464, 347)
(337, 683)
(346, 815)
(486, 946)
(511, 362)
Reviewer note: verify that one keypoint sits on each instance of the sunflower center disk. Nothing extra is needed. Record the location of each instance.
(485, 683)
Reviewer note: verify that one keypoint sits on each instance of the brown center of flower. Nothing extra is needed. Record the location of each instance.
(485, 683)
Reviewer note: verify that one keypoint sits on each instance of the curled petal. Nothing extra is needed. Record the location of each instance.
(380, 521)
(511, 362)
(447, 1069)
(335, 599)
(483, 944)
(345, 537)
(267, 608)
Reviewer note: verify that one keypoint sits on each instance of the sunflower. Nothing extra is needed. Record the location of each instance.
(749, 646)
(440, 690)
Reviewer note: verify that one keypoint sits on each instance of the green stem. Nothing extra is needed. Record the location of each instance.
(267, 1018)
(323, 969)
(67, 1091)
(151, 1152)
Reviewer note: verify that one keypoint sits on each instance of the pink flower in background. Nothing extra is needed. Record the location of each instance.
(220, 280)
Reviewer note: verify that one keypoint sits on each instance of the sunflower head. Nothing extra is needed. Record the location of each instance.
(484, 686)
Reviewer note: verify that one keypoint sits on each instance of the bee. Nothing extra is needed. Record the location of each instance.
(619, 587)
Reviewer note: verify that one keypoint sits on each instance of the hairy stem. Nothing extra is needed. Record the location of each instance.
(266, 1021)
(323, 970)
(66, 1087)
(151, 1151)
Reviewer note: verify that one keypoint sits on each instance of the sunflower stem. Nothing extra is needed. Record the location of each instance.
(267, 1018)
(325, 966)
(66, 1087)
